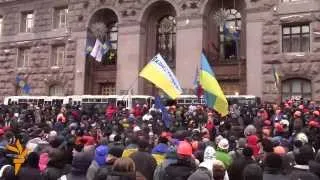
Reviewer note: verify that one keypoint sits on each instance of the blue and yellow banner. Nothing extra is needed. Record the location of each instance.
(214, 95)
(158, 72)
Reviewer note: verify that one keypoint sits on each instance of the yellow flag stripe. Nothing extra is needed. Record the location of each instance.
(157, 77)
(210, 84)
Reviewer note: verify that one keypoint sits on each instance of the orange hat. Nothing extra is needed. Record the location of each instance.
(279, 150)
(184, 148)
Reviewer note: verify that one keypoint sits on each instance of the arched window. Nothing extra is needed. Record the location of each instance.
(293, 88)
(56, 90)
(112, 38)
(166, 39)
(230, 35)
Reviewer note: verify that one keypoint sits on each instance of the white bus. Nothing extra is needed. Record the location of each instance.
(232, 99)
(35, 100)
(125, 101)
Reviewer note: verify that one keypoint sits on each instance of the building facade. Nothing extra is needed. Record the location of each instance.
(45, 43)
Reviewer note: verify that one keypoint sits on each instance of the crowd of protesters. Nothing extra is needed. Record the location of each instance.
(265, 142)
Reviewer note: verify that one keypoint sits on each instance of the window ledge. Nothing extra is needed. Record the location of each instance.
(22, 68)
(55, 67)
(298, 54)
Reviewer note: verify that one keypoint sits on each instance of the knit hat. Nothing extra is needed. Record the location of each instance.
(100, 154)
(116, 152)
(302, 137)
(184, 148)
(280, 150)
(223, 144)
(250, 130)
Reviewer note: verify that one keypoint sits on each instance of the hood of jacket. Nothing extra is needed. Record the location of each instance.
(208, 158)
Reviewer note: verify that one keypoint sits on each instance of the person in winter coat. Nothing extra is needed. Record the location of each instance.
(124, 169)
(252, 142)
(204, 172)
(170, 158)
(31, 170)
(184, 166)
(315, 165)
(252, 172)
(80, 165)
(145, 163)
(219, 171)
(222, 152)
(159, 151)
(206, 168)
(301, 170)
(273, 168)
(114, 154)
(99, 161)
(56, 166)
(239, 163)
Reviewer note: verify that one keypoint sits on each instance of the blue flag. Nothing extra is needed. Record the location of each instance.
(165, 115)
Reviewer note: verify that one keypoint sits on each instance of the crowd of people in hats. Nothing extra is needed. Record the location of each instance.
(265, 142)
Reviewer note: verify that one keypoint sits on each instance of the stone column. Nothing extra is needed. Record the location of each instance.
(188, 49)
(254, 54)
(80, 63)
(128, 58)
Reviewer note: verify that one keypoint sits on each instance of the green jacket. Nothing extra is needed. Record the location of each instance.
(224, 157)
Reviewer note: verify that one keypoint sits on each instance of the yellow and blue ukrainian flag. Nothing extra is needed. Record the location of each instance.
(158, 72)
(214, 95)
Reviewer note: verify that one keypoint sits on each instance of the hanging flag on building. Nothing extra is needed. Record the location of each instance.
(276, 76)
(96, 52)
(230, 34)
(214, 95)
(197, 86)
(99, 50)
(22, 84)
(158, 72)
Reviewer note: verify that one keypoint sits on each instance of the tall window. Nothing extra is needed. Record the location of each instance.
(230, 35)
(26, 22)
(58, 55)
(296, 88)
(112, 37)
(1, 24)
(166, 39)
(60, 17)
(56, 90)
(296, 38)
(23, 57)
(108, 88)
